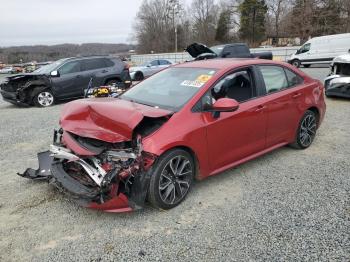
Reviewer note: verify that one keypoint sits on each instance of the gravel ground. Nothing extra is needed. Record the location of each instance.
(286, 205)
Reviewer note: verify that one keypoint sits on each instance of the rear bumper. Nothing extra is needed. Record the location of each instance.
(53, 172)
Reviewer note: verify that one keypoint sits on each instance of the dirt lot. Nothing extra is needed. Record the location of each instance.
(286, 205)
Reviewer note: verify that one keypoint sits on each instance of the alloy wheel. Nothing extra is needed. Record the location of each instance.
(307, 130)
(45, 99)
(175, 180)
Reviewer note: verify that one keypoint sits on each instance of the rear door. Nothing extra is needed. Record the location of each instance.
(96, 69)
(284, 91)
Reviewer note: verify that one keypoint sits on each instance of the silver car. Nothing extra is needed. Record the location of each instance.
(145, 70)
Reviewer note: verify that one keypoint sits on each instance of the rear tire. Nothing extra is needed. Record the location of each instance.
(44, 98)
(306, 131)
(172, 179)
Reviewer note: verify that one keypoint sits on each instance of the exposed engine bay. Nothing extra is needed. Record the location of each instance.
(101, 162)
(22, 88)
(106, 171)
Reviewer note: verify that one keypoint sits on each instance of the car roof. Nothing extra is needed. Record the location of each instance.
(227, 63)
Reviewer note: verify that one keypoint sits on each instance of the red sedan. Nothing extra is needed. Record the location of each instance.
(187, 122)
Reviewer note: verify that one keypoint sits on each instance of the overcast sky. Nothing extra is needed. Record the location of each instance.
(31, 22)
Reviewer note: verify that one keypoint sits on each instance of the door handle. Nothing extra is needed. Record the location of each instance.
(78, 76)
(260, 108)
(104, 71)
(296, 95)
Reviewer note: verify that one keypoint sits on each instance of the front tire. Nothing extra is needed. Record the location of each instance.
(307, 65)
(172, 179)
(44, 98)
(296, 63)
(306, 131)
(139, 76)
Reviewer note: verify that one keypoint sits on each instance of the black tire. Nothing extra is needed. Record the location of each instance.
(306, 131)
(139, 76)
(44, 98)
(296, 63)
(166, 189)
(307, 65)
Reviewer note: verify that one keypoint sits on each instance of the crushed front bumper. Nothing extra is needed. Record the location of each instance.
(12, 98)
(52, 171)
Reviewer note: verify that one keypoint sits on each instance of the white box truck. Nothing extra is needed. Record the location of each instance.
(320, 50)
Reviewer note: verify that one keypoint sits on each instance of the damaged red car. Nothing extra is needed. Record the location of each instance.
(187, 122)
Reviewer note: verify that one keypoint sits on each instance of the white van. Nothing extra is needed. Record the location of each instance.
(320, 50)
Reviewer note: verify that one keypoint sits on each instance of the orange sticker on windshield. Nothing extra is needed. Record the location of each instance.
(203, 78)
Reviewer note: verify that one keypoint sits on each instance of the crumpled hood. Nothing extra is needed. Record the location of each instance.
(107, 119)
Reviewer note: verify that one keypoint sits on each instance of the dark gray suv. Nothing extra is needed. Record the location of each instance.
(64, 79)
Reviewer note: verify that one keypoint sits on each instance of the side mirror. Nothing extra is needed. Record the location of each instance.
(55, 73)
(226, 54)
(224, 105)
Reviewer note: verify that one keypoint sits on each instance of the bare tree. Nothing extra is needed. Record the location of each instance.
(205, 16)
(277, 11)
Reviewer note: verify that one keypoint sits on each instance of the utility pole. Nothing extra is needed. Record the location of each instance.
(174, 5)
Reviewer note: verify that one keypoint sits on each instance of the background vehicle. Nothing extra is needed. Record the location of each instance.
(320, 50)
(338, 82)
(7, 70)
(154, 139)
(64, 79)
(238, 50)
(138, 73)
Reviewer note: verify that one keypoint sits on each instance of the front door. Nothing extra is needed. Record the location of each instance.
(66, 85)
(235, 135)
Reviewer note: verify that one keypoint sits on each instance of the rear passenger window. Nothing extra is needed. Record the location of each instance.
(274, 77)
(108, 62)
(293, 79)
(92, 64)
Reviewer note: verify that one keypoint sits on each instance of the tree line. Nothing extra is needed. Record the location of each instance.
(252, 21)
(43, 53)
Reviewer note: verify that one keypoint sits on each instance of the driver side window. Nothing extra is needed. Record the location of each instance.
(154, 63)
(305, 48)
(238, 85)
(69, 68)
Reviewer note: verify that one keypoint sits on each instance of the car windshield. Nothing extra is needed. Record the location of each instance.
(171, 88)
(47, 69)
